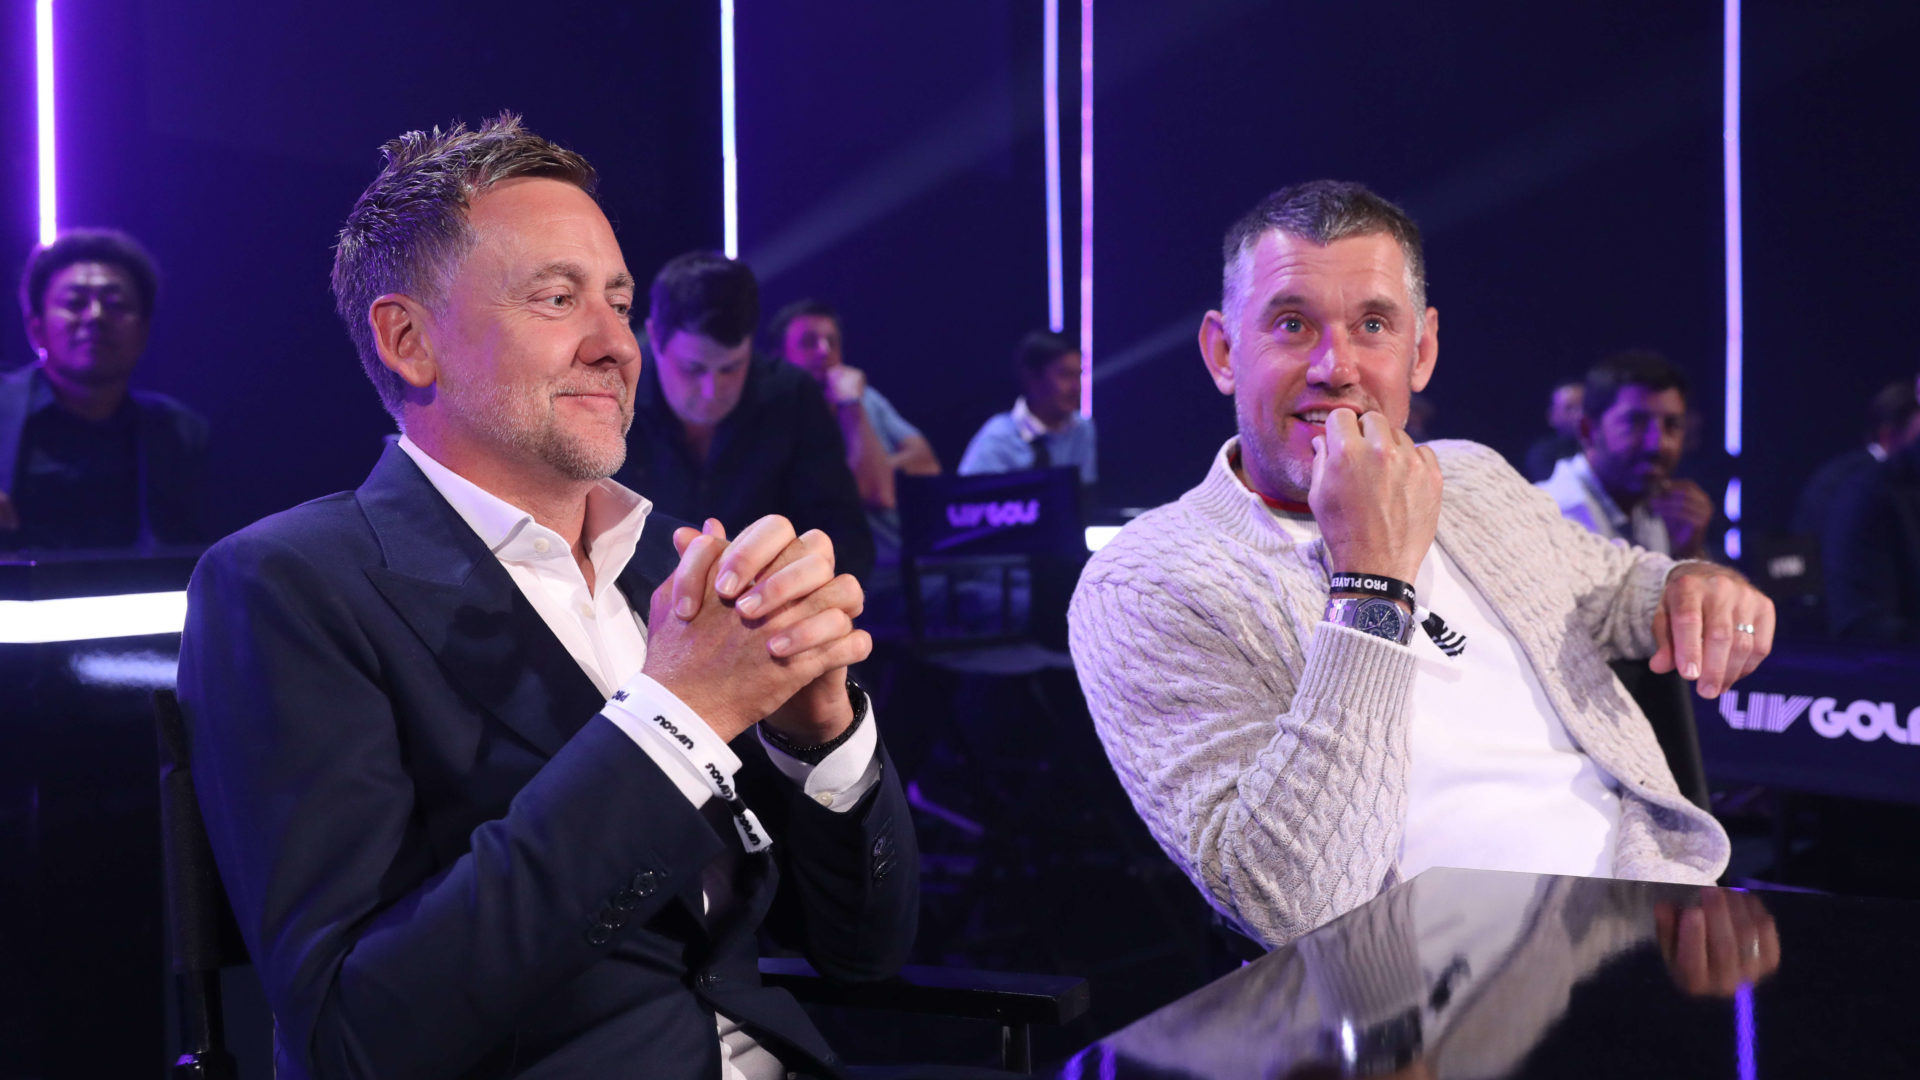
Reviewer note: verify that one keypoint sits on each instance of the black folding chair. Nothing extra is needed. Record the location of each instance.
(202, 937)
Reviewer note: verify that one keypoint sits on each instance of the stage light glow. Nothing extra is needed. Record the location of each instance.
(1733, 499)
(1730, 158)
(1745, 1058)
(43, 64)
(1733, 543)
(85, 618)
(1099, 536)
(1050, 111)
(729, 158)
(1086, 207)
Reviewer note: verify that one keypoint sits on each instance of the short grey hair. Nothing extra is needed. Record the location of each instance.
(1322, 211)
(408, 231)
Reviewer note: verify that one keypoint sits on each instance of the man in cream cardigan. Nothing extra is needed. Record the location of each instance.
(1344, 658)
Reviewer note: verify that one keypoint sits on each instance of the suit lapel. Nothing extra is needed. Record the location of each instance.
(439, 576)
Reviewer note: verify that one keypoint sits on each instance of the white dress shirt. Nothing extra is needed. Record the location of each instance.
(606, 637)
(1582, 499)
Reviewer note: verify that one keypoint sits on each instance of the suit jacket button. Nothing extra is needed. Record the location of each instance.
(645, 882)
(599, 934)
(882, 846)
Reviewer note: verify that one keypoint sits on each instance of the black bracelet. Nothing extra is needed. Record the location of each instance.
(1372, 585)
(815, 754)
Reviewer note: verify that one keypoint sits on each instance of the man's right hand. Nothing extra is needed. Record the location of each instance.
(1375, 495)
(784, 618)
(845, 385)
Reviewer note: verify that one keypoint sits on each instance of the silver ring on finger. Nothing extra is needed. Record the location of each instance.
(1745, 627)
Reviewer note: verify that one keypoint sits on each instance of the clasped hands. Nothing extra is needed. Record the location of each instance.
(1376, 497)
(758, 628)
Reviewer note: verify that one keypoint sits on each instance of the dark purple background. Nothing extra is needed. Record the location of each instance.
(1565, 162)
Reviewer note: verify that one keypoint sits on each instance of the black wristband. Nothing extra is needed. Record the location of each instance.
(1372, 585)
(815, 754)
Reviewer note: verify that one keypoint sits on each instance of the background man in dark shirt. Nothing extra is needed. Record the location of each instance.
(1870, 543)
(1564, 412)
(1893, 421)
(720, 432)
(84, 461)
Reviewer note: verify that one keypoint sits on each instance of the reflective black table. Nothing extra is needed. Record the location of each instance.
(1476, 974)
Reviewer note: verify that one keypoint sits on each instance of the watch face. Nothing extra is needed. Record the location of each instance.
(1381, 618)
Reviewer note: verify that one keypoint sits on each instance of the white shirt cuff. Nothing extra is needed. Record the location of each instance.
(843, 776)
(655, 719)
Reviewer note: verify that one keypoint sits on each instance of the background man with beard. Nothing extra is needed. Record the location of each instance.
(84, 461)
(480, 808)
(1259, 658)
(1622, 484)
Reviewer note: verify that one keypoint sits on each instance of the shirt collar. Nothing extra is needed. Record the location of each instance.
(1583, 472)
(1029, 425)
(615, 517)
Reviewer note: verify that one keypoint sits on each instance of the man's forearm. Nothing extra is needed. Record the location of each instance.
(1309, 825)
(866, 457)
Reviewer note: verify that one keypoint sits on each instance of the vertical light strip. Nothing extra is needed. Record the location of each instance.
(1736, 298)
(1086, 206)
(1730, 149)
(729, 159)
(1050, 109)
(1744, 1051)
(43, 62)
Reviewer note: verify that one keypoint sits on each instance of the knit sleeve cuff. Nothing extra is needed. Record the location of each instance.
(1354, 673)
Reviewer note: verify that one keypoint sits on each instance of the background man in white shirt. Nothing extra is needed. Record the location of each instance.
(1258, 659)
(1621, 484)
(482, 808)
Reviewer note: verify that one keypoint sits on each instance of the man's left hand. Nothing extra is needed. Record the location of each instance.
(1712, 626)
(1687, 510)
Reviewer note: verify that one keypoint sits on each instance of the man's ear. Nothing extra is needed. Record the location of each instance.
(1216, 351)
(400, 335)
(1586, 432)
(1428, 353)
(37, 333)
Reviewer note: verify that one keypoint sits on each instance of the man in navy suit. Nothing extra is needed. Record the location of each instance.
(503, 773)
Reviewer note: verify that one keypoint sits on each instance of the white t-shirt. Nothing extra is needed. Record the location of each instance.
(1496, 782)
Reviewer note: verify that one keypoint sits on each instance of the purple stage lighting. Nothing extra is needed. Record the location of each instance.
(1743, 1048)
(1736, 313)
(1086, 206)
(729, 159)
(1050, 109)
(43, 62)
(1730, 150)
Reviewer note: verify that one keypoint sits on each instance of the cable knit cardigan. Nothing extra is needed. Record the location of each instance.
(1267, 750)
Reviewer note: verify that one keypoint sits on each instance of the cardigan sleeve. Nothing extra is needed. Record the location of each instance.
(1282, 800)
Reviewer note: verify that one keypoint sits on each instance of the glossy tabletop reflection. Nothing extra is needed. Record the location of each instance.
(1478, 974)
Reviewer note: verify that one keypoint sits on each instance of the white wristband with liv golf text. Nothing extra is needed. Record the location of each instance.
(645, 705)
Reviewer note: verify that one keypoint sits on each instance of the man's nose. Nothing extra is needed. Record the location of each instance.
(611, 340)
(1332, 363)
(708, 385)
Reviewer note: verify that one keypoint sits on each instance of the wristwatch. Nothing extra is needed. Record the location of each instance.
(1374, 615)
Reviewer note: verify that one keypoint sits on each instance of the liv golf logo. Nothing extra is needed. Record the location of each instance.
(1864, 720)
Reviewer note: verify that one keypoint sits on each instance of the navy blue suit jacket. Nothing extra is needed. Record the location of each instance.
(444, 863)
